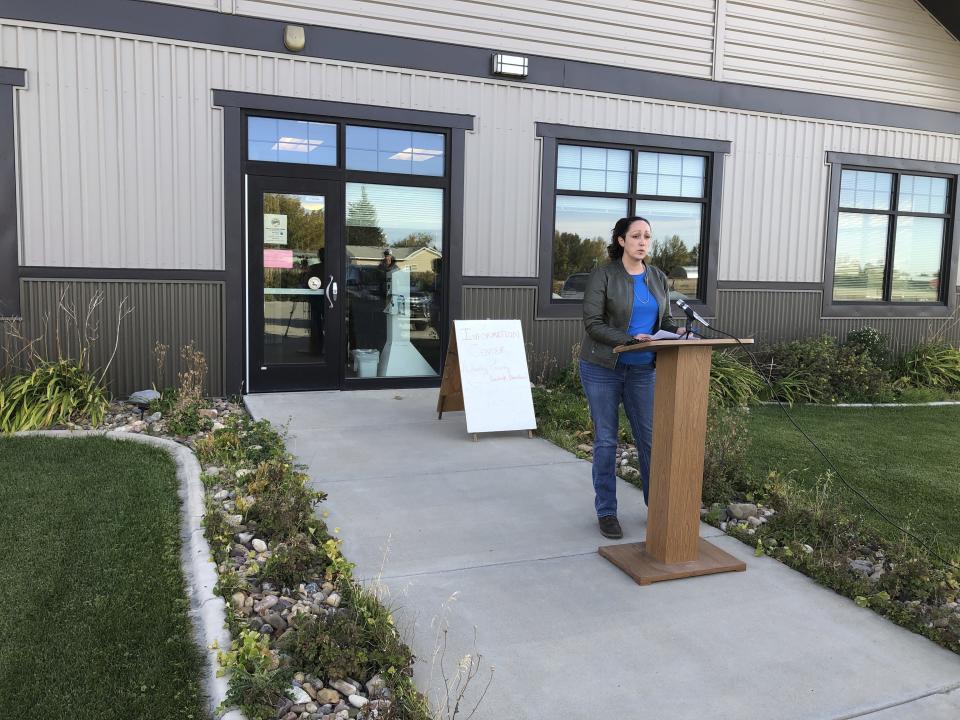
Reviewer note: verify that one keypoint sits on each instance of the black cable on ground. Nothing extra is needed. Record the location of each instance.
(829, 462)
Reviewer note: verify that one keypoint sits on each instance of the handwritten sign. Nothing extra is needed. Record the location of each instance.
(494, 375)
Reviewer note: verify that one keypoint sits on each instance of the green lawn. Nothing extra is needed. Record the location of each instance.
(95, 623)
(906, 460)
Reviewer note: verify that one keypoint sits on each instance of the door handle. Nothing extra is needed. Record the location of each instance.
(333, 285)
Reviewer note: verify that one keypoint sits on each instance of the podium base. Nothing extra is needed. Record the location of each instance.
(633, 559)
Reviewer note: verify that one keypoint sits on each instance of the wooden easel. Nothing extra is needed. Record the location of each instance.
(451, 386)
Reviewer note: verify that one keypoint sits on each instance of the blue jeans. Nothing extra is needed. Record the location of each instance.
(606, 389)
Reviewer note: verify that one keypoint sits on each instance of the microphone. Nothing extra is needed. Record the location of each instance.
(692, 314)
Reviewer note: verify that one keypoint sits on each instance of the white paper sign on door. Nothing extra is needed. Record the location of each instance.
(494, 375)
(274, 229)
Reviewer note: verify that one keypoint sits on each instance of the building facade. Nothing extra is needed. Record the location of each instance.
(298, 186)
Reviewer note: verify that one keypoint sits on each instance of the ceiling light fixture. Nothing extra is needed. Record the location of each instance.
(509, 65)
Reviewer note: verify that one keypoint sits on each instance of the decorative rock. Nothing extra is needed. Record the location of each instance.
(243, 472)
(806, 548)
(375, 685)
(310, 690)
(238, 599)
(358, 701)
(861, 567)
(334, 601)
(143, 397)
(244, 538)
(221, 495)
(207, 413)
(299, 695)
(276, 621)
(290, 716)
(328, 696)
(311, 707)
(583, 447)
(742, 511)
(344, 687)
(217, 425)
(723, 526)
(213, 471)
(233, 520)
(259, 545)
(754, 522)
(268, 602)
(629, 473)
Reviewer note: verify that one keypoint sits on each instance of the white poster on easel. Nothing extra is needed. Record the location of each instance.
(494, 374)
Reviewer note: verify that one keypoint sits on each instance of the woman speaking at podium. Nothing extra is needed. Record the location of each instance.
(625, 301)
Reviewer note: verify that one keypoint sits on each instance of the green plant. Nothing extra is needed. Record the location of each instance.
(293, 560)
(52, 393)
(284, 504)
(871, 342)
(932, 365)
(242, 442)
(257, 682)
(185, 419)
(725, 453)
(732, 382)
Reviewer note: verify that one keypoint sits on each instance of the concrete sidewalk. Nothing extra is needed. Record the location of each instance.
(505, 525)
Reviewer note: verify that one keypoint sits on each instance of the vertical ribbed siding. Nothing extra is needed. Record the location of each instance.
(888, 50)
(144, 187)
(173, 313)
(554, 338)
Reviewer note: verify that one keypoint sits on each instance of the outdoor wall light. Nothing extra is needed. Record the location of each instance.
(509, 65)
(294, 38)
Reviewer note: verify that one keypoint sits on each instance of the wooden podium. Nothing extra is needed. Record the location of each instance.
(674, 548)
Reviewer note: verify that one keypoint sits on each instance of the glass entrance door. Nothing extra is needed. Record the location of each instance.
(294, 286)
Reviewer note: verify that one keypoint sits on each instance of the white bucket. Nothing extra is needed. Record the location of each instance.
(365, 362)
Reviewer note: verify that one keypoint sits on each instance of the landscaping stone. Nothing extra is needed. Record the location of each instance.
(742, 511)
(299, 696)
(276, 621)
(358, 701)
(861, 567)
(583, 447)
(259, 545)
(375, 685)
(244, 538)
(754, 522)
(328, 696)
(333, 600)
(344, 688)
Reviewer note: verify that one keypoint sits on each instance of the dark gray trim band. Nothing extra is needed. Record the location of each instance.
(9, 234)
(887, 310)
(768, 285)
(718, 149)
(209, 27)
(625, 137)
(306, 106)
(90, 273)
(494, 281)
(887, 163)
(13, 76)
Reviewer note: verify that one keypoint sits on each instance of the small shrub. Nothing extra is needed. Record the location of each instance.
(241, 443)
(51, 394)
(725, 454)
(284, 504)
(732, 382)
(932, 365)
(871, 342)
(356, 641)
(257, 682)
(185, 419)
(292, 561)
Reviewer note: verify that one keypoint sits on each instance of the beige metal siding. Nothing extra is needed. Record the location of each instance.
(670, 37)
(173, 313)
(890, 50)
(137, 180)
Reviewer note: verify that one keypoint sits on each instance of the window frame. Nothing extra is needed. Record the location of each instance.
(10, 80)
(551, 136)
(885, 308)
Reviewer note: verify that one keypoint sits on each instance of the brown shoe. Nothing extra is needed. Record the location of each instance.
(610, 527)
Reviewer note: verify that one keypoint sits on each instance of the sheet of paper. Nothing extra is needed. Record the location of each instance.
(667, 335)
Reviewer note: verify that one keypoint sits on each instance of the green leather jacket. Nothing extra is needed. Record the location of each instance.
(608, 305)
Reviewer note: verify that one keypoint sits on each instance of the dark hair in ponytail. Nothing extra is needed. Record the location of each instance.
(615, 249)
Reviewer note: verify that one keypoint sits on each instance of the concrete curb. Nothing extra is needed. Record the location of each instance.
(207, 610)
(936, 403)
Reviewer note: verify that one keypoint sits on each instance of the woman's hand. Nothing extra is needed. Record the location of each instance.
(643, 337)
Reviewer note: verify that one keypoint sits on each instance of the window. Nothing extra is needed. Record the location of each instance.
(394, 151)
(291, 141)
(891, 236)
(890, 233)
(592, 177)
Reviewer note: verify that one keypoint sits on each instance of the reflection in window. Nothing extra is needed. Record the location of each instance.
(291, 141)
(593, 169)
(581, 235)
(880, 212)
(670, 175)
(394, 263)
(676, 241)
(394, 151)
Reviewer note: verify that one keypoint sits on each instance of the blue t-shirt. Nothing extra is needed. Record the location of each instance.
(642, 320)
